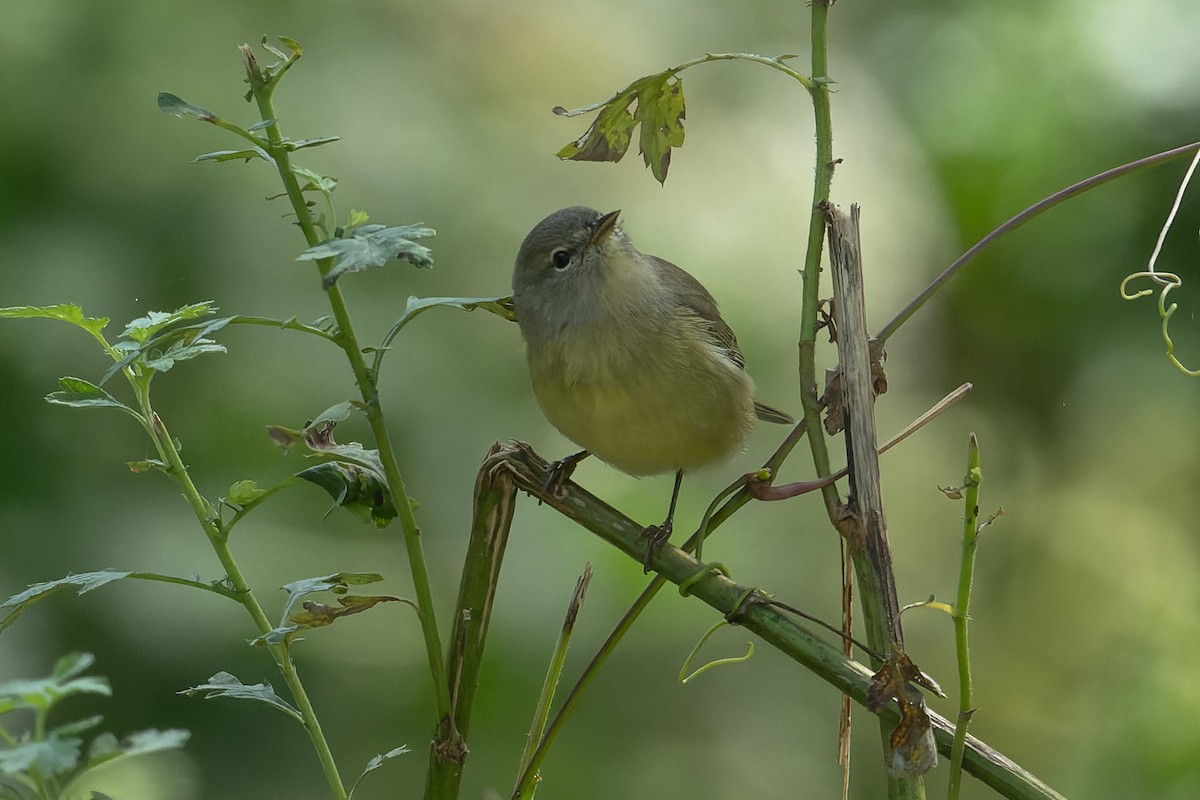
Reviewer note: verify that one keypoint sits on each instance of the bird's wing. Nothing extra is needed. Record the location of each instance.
(694, 298)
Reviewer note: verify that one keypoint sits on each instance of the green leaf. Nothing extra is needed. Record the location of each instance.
(243, 493)
(316, 614)
(188, 334)
(225, 685)
(78, 393)
(153, 740)
(335, 414)
(138, 467)
(49, 758)
(355, 219)
(78, 726)
(181, 108)
(315, 181)
(500, 306)
(660, 111)
(300, 144)
(180, 351)
(42, 693)
(608, 137)
(293, 45)
(338, 583)
(377, 762)
(66, 312)
(142, 328)
(235, 155)
(106, 747)
(361, 491)
(354, 477)
(371, 246)
(86, 582)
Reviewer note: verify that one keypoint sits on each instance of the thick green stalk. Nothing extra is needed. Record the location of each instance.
(366, 384)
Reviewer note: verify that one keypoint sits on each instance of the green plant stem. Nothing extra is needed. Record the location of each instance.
(347, 340)
(962, 608)
(776, 63)
(219, 540)
(533, 764)
(768, 621)
(810, 397)
(553, 673)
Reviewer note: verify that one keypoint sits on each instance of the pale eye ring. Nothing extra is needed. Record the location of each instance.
(560, 258)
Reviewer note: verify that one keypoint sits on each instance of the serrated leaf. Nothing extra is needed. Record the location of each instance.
(235, 155)
(377, 762)
(318, 615)
(181, 108)
(609, 135)
(86, 582)
(360, 491)
(371, 246)
(49, 757)
(181, 351)
(64, 681)
(355, 219)
(142, 328)
(338, 583)
(153, 740)
(315, 181)
(65, 312)
(354, 477)
(78, 393)
(187, 334)
(224, 684)
(661, 112)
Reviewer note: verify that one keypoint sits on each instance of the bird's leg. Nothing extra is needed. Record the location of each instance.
(660, 534)
(560, 472)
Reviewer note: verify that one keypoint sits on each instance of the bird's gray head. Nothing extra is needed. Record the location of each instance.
(565, 243)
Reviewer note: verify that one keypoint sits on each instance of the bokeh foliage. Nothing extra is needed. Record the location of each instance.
(949, 117)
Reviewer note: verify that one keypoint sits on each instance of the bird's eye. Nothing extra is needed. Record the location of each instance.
(560, 258)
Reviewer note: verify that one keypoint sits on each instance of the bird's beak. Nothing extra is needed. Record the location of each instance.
(605, 226)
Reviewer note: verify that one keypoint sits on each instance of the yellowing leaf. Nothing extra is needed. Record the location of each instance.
(660, 112)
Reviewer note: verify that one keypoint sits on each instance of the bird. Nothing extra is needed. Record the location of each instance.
(628, 355)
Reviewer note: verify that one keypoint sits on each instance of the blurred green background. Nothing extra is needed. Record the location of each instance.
(949, 118)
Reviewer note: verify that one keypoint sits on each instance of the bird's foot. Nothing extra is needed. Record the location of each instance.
(658, 535)
(560, 472)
